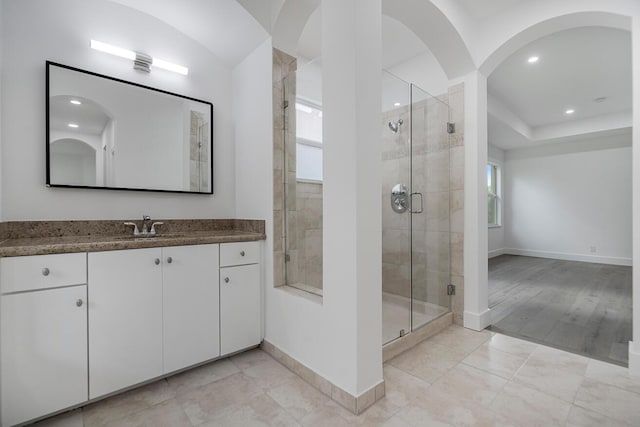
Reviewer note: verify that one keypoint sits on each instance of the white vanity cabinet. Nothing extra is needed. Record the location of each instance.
(44, 335)
(125, 318)
(240, 297)
(191, 304)
(151, 312)
(77, 327)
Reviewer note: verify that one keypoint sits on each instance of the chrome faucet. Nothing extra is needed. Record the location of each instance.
(145, 220)
(145, 227)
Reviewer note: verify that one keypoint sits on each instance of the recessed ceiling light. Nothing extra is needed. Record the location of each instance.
(75, 102)
(397, 104)
(72, 125)
(532, 59)
(569, 111)
(600, 99)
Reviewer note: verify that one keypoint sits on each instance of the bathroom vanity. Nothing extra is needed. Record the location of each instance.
(83, 317)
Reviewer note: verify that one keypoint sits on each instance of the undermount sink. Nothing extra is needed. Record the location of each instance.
(149, 236)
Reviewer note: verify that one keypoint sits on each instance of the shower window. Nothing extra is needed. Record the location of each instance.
(308, 141)
(493, 195)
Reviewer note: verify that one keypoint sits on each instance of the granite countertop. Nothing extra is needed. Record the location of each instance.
(50, 236)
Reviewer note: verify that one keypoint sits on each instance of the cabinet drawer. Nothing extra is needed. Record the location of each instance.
(42, 271)
(239, 253)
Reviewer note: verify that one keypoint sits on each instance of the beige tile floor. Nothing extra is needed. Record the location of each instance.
(456, 378)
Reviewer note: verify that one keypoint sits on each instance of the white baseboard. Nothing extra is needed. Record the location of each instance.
(497, 252)
(566, 256)
(477, 321)
(634, 360)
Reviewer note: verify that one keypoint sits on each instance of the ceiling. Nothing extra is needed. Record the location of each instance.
(478, 11)
(398, 42)
(224, 27)
(90, 116)
(575, 67)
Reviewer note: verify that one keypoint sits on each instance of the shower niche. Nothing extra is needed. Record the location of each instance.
(415, 207)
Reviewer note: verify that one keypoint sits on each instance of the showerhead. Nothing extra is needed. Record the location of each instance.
(395, 126)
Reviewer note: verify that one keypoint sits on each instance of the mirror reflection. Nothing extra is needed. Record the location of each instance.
(107, 133)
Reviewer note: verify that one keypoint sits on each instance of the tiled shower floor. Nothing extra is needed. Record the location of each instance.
(396, 315)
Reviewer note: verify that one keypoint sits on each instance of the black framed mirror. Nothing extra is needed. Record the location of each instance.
(107, 133)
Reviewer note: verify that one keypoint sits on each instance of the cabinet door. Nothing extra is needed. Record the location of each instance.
(44, 352)
(190, 305)
(125, 318)
(240, 311)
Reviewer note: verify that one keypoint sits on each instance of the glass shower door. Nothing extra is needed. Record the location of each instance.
(430, 238)
(396, 216)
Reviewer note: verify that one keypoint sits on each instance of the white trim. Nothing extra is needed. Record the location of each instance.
(477, 321)
(634, 360)
(309, 142)
(497, 252)
(309, 181)
(569, 256)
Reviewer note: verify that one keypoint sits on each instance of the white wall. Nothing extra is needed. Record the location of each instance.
(425, 72)
(1, 93)
(634, 345)
(496, 234)
(39, 30)
(340, 336)
(561, 205)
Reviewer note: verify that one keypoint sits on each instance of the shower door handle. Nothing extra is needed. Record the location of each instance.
(421, 203)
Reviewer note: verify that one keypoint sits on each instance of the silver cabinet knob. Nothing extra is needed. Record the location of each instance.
(157, 261)
(242, 253)
(45, 271)
(169, 260)
(226, 280)
(79, 303)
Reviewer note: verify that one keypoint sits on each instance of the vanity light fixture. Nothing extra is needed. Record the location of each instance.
(75, 102)
(532, 59)
(569, 111)
(141, 61)
(73, 125)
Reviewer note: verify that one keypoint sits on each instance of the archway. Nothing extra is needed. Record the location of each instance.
(532, 26)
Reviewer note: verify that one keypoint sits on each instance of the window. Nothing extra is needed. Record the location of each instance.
(493, 194)
(308, 141)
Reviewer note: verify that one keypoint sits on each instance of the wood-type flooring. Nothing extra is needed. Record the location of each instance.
(580, 307)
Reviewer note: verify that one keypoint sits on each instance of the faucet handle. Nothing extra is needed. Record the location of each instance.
(153, 227)
(135, 228)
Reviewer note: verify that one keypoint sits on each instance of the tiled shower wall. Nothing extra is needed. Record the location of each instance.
(456, 199)
(199, 152)
(309, 233)
(283, 66)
